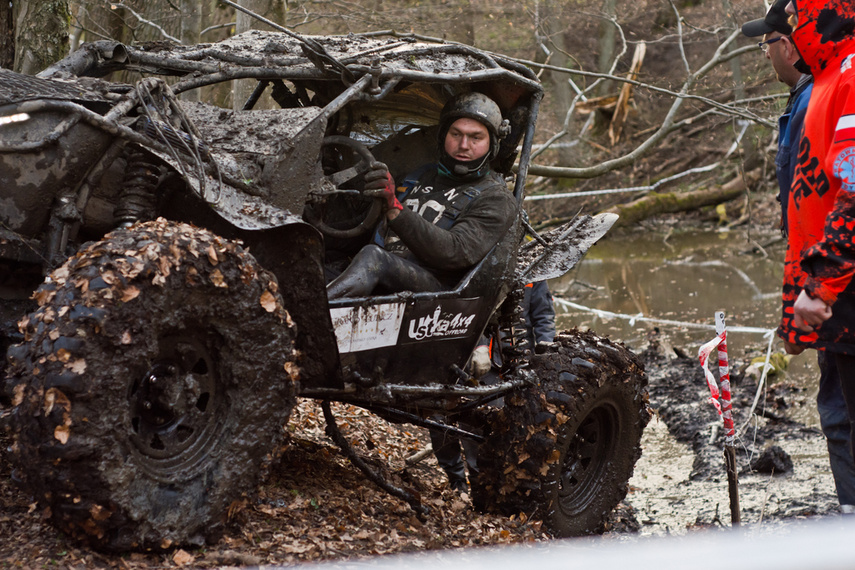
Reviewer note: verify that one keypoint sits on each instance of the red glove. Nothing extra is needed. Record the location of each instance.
(379, 184)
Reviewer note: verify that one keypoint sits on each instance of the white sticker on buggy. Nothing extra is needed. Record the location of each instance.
(365, 328)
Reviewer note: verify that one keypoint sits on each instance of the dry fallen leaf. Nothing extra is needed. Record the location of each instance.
(268, 301)
(43, 296)
(60, 275)
(19, 394)
(61, 433)
(126, 337)
(99, 513)
(54, 398)
(163, 265)
(130, 293)
(78, 366)
(293, 371)
(183, 558)
(218, 280)
(212, 255)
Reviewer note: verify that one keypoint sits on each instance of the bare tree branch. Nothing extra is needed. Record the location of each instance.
(147, 22)
(664, 129)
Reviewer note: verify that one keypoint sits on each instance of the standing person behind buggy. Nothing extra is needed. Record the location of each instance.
(775, 29)
(456, 210)
(538, 313)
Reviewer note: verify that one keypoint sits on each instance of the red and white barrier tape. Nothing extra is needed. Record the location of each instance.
(720, 399)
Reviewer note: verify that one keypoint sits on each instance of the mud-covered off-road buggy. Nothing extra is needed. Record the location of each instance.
(183, 246)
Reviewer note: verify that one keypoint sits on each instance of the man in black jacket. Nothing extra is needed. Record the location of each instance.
(456, 210)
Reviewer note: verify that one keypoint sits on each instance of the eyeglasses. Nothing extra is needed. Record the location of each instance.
(765, 45)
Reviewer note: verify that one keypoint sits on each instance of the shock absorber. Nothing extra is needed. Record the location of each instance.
(514, 343)
(138, 198)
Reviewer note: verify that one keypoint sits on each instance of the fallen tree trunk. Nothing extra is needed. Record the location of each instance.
(668, 203)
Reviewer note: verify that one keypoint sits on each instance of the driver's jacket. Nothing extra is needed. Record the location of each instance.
(821, 214)
(448, 226)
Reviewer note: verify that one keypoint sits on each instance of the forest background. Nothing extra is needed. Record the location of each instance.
(651, 106)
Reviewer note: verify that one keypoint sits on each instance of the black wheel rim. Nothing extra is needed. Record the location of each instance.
(173, 410)
(585, 460)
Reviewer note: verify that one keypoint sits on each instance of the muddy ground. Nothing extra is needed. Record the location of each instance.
(314, 505)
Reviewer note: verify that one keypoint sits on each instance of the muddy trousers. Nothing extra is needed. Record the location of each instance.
(446, 448)
(834, 420)
(373, 266)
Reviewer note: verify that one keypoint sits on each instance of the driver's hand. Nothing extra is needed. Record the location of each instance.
(379, 184)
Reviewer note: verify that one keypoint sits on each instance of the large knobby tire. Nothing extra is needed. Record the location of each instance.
(154, 379)
(563, 450)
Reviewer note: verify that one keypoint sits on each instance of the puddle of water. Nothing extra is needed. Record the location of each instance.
(652, 488)
(667, 502)
(684, 277)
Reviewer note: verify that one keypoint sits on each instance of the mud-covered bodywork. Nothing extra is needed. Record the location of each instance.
(83, 155)
(183, 251)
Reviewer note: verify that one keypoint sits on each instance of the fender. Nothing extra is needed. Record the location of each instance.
(293, 250)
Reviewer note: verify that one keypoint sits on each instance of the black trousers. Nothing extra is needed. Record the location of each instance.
(846, 371)
(373, 266)
(446, 448)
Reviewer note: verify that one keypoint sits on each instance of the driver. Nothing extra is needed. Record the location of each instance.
(456, 210)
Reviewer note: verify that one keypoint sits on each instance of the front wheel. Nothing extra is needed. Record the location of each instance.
(563, 450)
(154, 379)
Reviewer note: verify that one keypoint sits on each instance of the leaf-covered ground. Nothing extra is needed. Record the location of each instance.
(313, 505)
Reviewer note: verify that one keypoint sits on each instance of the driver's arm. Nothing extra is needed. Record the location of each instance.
(476, 231)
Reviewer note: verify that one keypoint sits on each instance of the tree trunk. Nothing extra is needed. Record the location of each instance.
(7, 35)
(462, 28)
(41, 33)
(655, 203)
(736, 62)
(191, 28)
(607, 44)
(557, 83)
(273, 11)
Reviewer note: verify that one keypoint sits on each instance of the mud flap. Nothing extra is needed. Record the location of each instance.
(566, 245)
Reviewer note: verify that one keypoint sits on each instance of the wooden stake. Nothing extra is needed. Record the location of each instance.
(727, 417)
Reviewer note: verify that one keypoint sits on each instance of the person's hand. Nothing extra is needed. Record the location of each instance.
(480, 361)
(809, 313)
(793, 349)
(379, 184)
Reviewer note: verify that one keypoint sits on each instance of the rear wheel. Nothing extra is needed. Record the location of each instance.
(563, 450)
(154, 379)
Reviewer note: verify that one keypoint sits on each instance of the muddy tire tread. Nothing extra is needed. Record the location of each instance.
(100, 318)
(519, 463)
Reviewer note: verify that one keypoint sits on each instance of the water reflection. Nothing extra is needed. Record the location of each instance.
(683, 276)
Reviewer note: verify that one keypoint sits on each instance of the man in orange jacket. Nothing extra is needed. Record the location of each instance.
(819, 293)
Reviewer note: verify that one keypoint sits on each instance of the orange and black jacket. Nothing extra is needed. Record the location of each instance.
(821, 214)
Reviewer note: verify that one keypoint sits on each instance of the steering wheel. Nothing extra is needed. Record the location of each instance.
(342, 212)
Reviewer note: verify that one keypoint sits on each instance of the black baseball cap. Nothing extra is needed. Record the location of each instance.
(776, 20)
